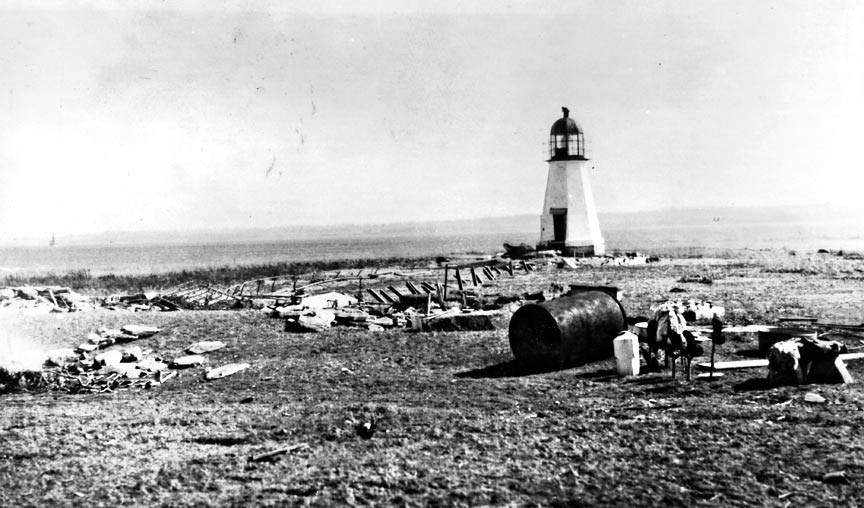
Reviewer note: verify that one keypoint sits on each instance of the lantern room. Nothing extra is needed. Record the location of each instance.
(566, 141)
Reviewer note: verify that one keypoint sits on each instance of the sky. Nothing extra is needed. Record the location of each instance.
(187, 115)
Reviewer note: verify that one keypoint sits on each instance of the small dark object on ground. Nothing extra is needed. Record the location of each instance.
(697, 278)
(836, 477)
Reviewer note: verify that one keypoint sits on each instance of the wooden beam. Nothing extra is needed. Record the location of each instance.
(412, 288)
(375, 295)
(474, 278)
(844, 373)
(733, 365)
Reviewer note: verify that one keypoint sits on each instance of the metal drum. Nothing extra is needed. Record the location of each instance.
(572, 330)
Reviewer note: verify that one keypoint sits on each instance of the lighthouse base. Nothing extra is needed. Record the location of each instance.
(579, 251)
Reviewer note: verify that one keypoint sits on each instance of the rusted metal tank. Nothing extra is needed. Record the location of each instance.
(575, 329)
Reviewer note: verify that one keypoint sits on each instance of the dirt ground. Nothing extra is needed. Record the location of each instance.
(454, 422)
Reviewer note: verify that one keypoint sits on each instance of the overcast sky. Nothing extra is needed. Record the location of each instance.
(180, 115)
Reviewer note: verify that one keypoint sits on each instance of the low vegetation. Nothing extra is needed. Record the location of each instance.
(82, 280)
(406, 419)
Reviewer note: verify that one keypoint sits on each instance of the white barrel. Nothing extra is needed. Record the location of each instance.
(626, 346)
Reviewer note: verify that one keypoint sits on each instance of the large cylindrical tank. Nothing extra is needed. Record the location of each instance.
(572, 330)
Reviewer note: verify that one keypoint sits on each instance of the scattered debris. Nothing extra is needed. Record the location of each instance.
(814, 398)
(226, 370)
(331, 300)
(275, 454)
(30, 299)
(87, 370)
(206, 346)
(807, 360)
(835, 477)
(696, 278)
(184, 362)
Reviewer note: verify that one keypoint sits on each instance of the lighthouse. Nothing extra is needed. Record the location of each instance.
(569, 219)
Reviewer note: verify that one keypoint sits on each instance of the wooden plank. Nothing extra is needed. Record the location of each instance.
(488, 273)
(474, 278)
(459, 280)
(387, 297)
(412, 288)
(496, 270)
(851, 356)
(509, 267)
(733, 365)
(429, 288)
(375, 295)
(844, 373)
(394, 291)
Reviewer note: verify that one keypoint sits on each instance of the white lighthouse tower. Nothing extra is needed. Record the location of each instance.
(569, 219)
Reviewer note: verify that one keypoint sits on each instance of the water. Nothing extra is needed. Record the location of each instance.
(150, 258)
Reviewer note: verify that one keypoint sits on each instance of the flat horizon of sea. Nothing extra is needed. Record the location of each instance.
(160, 258)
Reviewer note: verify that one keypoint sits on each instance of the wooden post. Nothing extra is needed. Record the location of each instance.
(496, 270)
(509, 267)
(359, 288)
(474, 278)
(459, 280)
(488, 273)
(258, 289)
(428, 303)
(375, 295)
(446, 272)
(412, 288)
(525, 266)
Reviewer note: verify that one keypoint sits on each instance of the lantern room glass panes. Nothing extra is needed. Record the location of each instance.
(572, 145)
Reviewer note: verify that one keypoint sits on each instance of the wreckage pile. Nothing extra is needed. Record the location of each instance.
(415, 311)
(29, 299)
(85, 369)
(91, 368)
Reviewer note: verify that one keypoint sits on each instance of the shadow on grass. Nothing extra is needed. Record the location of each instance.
(752, 385)
(750, 353)
(510, 368)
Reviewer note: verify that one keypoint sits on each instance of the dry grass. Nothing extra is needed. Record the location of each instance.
(456, 423)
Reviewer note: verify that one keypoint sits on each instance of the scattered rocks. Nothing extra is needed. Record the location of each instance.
(226, 370)
(140, 331)
(185, 362)
(814, 398)
(205, 347)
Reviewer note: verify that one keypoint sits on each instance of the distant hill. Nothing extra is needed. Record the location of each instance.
(728, 215)
(525, 226)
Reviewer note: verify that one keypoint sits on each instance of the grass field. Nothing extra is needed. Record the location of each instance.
(455, 422)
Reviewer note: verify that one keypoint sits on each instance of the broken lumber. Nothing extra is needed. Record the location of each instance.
(267, 456)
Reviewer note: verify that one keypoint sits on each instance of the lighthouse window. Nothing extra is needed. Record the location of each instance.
(560, 142)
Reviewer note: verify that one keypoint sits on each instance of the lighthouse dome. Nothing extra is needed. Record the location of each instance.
(566, 140)
(565, 126)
